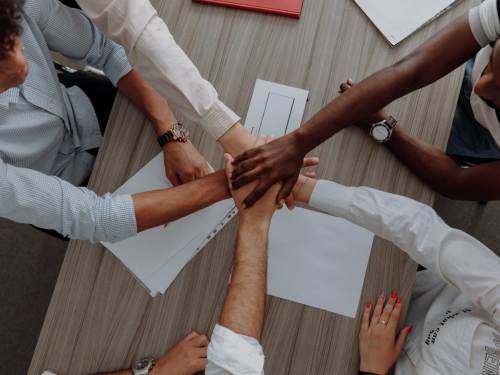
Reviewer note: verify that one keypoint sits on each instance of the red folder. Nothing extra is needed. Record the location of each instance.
(289, 8)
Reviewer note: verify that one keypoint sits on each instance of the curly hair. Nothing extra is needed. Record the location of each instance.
(10, 14)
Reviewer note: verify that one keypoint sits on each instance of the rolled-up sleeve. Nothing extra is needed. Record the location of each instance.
(70, 32)
(484, 21)
(31, 197)
(154, 54)
(231, 353)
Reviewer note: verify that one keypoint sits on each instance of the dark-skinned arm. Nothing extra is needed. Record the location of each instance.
(441, 173)
(281, 160)
(434, 167)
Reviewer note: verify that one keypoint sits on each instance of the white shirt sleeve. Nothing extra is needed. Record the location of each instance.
(153, 53)
(231, 353)
(415, 228)
(484, 21)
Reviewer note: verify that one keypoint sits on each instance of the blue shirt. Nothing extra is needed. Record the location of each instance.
(45, 129)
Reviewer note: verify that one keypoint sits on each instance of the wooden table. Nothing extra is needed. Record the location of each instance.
(101, 319)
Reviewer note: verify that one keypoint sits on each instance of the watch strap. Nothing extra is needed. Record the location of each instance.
(165, 138)
(391, 122)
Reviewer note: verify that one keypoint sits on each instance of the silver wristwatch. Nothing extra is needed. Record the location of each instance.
(382, 131)
(143, 366)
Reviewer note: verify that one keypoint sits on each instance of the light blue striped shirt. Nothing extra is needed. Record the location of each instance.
(46, 128)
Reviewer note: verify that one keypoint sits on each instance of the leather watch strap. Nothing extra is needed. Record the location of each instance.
(165, 138)
(391, 121)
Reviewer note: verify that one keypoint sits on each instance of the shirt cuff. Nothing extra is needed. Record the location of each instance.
(117, 65)
(332, 197)
(115, 218)
(219, 120)
(238, 354)
(477, 28)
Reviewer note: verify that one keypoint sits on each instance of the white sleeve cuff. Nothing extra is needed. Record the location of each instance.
(484, 22)
(477, 28)
(332, 197)
(219, 120)
(238, 354)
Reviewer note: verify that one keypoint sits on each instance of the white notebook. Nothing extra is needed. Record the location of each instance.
(398, 19)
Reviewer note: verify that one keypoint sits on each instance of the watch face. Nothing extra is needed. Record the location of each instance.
(181, 131)
(142, 364)
(380, 132)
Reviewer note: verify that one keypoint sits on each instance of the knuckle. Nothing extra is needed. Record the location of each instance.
(192, 363)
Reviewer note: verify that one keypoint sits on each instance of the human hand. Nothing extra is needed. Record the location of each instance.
(270, 163)
(366, 123)
(186, 358)
(378, 347)
(182, 160)
(262, 211)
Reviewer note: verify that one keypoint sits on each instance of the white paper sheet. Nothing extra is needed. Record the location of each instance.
(145, 253)
(275, 109)
(317, 260)
(166, 274)
(398, 19)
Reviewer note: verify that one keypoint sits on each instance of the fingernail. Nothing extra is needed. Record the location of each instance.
(230, 174)
(368, 305)
(231, 186)
(226, 157)
(394, 294)
(279, 208)
(410, 329)
(398, 300)
(282, 202)
(243, 205)
(382, 296)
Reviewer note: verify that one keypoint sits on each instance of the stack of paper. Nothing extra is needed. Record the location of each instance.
(156, 256)
(398, 19)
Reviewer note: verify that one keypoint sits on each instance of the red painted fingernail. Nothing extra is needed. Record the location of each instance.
(394, 294)
(398, 300)
(368, 305)
(410, 329)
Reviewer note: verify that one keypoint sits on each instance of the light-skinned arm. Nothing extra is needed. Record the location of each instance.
(243, 311)
(182, 160)
(186, 358)
(280, 161)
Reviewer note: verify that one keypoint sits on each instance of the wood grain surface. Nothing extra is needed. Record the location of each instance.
(101, 319)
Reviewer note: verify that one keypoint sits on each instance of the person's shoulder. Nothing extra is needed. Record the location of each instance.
(38, 10)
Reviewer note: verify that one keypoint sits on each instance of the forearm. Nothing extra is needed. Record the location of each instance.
(442, 53)
(158, 207)
(243, 311)
(441, 173)
(148, 100)
(415, 228)
(237, 139)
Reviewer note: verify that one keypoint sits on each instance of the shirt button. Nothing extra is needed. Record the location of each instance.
(51, 106)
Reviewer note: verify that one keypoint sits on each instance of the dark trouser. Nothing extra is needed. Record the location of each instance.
(101, 93)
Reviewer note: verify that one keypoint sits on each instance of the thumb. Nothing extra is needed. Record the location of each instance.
(401, 340)
(229, 167)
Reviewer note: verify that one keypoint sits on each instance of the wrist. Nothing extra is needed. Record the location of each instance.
(366, 368)
(251, 221)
